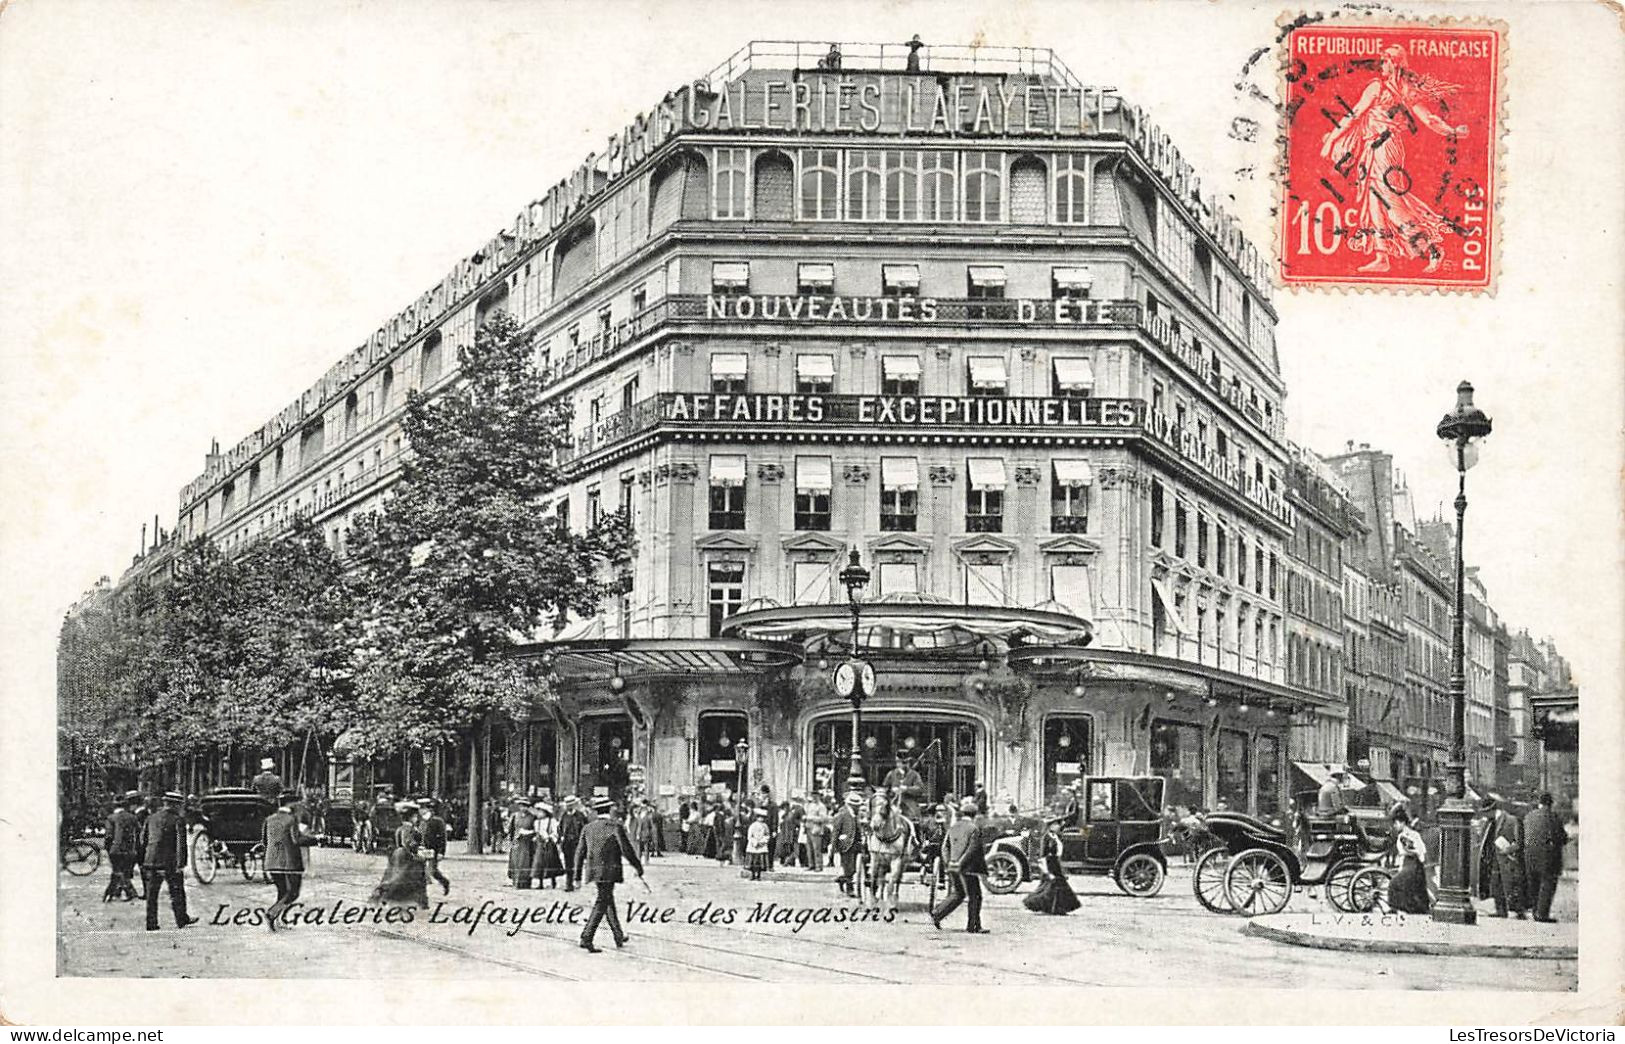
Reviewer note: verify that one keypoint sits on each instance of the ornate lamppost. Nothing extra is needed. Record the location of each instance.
(1460, 429)
(855, 679)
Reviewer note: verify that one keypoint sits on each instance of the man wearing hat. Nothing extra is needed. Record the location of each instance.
(846, 839)
(284, 861)
(164, 859)
(268, 785)
(123, 833)
(963, 858)
(1500, 860)
(434, 843)
(1329, 800)
(571, 824)
(598, 860)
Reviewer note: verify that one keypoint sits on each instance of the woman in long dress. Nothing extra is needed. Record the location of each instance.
(405, 882)
(1408, 891)
(756, 842)
(549, 862)
(522, 847)
(1054, 895)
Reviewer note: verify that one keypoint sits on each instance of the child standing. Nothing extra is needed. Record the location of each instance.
(756, 842)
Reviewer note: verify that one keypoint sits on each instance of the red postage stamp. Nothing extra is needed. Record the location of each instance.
(1390, 155)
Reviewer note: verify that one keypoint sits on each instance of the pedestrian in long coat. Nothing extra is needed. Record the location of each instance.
(284, 841)
(604, 845)
(163, 861)
(846, 840)
(1543, 842)
(522, 847)
(123, 850)
(789, 838)
(1500, 866)
(571, 824)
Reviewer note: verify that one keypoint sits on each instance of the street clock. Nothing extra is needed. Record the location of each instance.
(854, 676)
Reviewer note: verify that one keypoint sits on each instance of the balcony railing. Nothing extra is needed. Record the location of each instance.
(984, 523)
(872, 57)
(1068, 524)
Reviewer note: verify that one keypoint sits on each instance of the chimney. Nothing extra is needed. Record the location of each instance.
(143, 549)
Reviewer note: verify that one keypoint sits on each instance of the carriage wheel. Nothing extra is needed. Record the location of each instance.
(1368, 890)
(1208, 881)
(1140, 875)
(205, 861)
(1258, 882)
(1004, 873)
(1336, 885)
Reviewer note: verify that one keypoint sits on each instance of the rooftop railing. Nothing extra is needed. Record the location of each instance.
(889, 57)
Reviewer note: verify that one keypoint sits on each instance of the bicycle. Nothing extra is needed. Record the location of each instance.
(81, 857)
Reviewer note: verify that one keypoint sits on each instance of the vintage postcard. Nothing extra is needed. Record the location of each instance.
(796, 511)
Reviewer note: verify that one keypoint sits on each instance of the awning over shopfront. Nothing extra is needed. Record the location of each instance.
(987, 371)
(1073, 472)
(729, 365)
(1321, 773)
(1389, 792)
(727, 470)
(900, 367)
(900, 473)
(986, 473)
(815, 366)
(1170, 605)
(911, 615)
(634, 657)
(813, 475)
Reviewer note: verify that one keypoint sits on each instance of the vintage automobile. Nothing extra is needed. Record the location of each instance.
(1118, 830)
(1255, 867)
(231, 822)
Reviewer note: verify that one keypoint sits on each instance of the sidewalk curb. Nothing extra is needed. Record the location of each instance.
(1437, 949)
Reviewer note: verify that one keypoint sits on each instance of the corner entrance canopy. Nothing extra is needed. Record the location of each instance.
(936, 624)
(636, 657)
(1321, 773)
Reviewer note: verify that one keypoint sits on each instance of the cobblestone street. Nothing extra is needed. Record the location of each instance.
(1114, 940)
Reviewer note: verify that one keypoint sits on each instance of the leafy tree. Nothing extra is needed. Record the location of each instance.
(464, 562)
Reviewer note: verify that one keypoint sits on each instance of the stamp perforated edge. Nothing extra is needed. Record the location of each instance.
(1362, 17)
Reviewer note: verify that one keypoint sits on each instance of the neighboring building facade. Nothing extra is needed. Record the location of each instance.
(1316, 644)
(1479, 660)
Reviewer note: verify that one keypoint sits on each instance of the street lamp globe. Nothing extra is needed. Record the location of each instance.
(1462, 428)
(854, 577)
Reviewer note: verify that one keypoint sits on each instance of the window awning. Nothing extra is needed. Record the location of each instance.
(1170, 605)
(986, 473)
(1321, 773)
(900, 367)
(1074, 473)
(1073, 374)
(730, 365)
(905, 277)
(987, 371)
(813, 475)
(1073, 278)
(730, 273)
(986, 275)
(815, 367)
(728, 471)
(899, 473)
(816, 273)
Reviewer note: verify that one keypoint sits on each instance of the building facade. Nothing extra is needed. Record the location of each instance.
(974, 323)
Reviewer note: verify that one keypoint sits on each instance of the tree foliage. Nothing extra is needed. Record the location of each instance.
(465, 560)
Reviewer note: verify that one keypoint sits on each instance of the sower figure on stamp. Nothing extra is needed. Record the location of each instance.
(598, 859)
(962, 856)
(283, 839)
(123, 849)
(164, 861)
(1368, 147)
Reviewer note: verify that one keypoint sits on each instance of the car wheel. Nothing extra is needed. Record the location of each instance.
(1140, 875)
(1368, 890)
(1208, 881)
(1337, 884)
(1004, 873)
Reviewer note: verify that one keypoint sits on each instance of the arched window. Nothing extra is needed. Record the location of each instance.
(730, 195)
(577, 259)
(775, 188)
(984, 186)
(939, 186)
(352, 409)
(1071, 189)
(820, 184)
(1029, 191)
(864, 190)
(492, 303)
(902, 185)
(696, 188)
(431, 361)
(388, 392)
(666, 193)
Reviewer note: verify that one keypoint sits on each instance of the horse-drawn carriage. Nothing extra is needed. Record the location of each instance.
(375, 824)
(1117, 830)
(229, 833)
(1255, 867)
